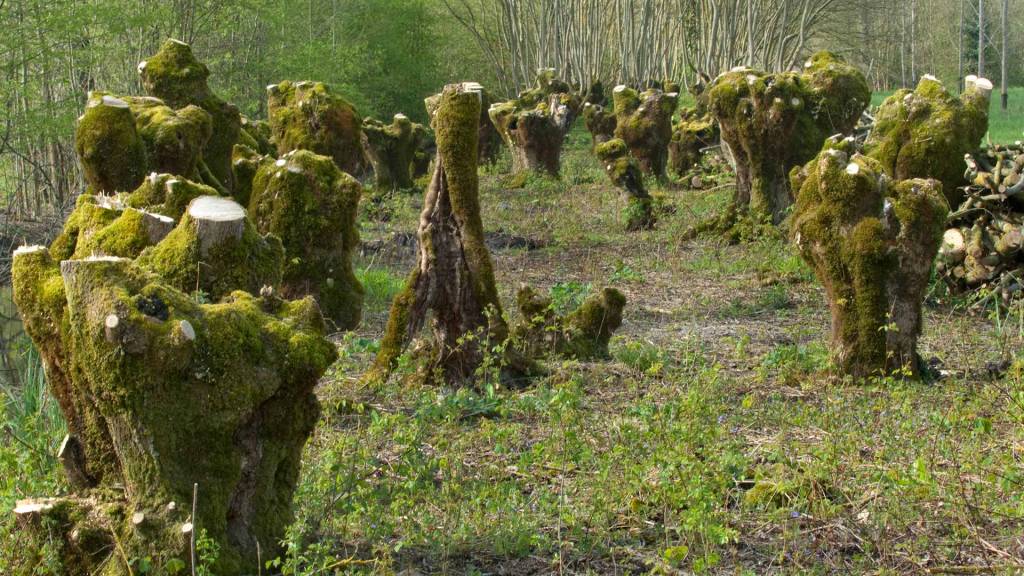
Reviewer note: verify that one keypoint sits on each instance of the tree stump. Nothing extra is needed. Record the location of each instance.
(644, 122)
(453, 281)
(582, 334)
(534, 125)
(624, 172)
(112, 153)
(148, 379)
(600, 122)
(175, 76)
(690, 137)
(489, 145)
(311, 205)
(925, 133)
(104, 226)
(871, 243)
(771, 123)
(216, 250)
(174, 138)
(309, 116)
(391, 149)
(426, 149)
(245, 163)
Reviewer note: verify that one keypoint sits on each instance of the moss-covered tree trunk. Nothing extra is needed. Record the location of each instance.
(690, 137)
(310, 116)
(871, 244)
(391, 149)
(162, 394)
(771, 123)
(644, 122)
(624, 172)
(175, 76)
(925, 133)
(534, 136)
(309, 204)
(600, 122)
(453, 281)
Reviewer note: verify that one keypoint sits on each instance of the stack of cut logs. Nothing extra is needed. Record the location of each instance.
(981, 247)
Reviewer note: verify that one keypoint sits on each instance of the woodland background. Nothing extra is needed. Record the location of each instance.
(386, 55)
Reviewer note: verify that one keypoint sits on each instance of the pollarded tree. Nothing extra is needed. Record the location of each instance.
(600, 122)
(690, 136)
(309, 116)
(175, 76)
(925, 133)
(392, 148)
(147, 379)
(453, 281)
(771, 123)
(115, 157)
(311, 205)
(624, 172)
(871, 243)
(644, 122)
(535, 124)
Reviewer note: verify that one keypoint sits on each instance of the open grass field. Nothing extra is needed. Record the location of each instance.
(710, 442)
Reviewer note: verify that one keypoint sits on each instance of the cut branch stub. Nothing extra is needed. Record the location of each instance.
(600, 122)
(309, 116)
(216, 250)
(309, 204)
(152, 379)
(772, 123)
(112, 153)
(624, 172)
(453, 281)
(391, 148)
(871, 243)
(644, 122)
(175, 76)
(925, 133)
(103, 226)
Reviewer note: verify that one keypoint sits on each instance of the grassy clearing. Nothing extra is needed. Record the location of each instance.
(710, 442)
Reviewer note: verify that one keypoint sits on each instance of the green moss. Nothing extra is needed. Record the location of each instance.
(772, 123)
(309, 204)
(232, 381)
(91, 214)
(644, 123)
(245, 162)
(692, 134)
(247, 262)
(174, 138)
(110, 148)
(391, 148)
(927, 132)
(166, 194)
(309, 116)
(583, 334)
(256, 134)
(871, 245)
(624, 172)
(126, 236)
(174, 75)
(600, 122)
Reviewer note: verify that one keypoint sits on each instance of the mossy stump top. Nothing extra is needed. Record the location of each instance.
(310, 116)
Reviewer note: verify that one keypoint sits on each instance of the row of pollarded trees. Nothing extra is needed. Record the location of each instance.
(184, 309)
(183, 312)
(867, 216)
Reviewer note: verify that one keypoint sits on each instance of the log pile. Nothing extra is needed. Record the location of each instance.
(981, 247)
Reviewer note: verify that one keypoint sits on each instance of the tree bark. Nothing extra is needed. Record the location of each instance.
(644, 122)
(453, 281)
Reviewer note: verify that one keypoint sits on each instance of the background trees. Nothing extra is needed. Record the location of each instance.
(386, 55)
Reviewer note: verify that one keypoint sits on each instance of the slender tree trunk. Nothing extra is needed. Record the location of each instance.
(1005, 100)
(981, 38)
(960, 50)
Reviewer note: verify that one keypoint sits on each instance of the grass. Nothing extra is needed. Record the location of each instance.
(710, 442)
(1004, 127)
